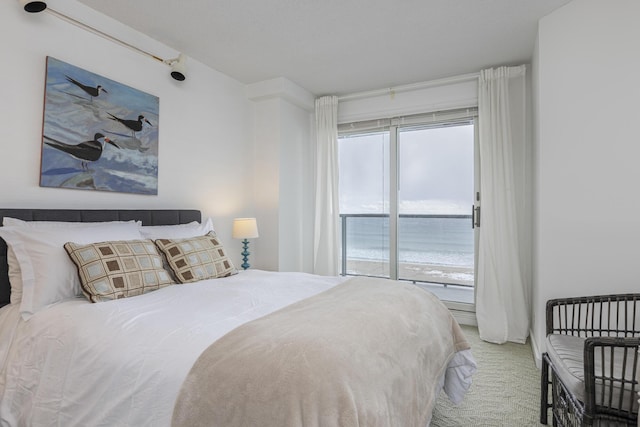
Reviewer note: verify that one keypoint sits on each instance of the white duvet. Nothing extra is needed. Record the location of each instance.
(122, 363)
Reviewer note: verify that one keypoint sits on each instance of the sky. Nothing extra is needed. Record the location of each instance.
(435, 171)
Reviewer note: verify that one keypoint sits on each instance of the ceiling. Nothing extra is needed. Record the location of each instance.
(340, 46)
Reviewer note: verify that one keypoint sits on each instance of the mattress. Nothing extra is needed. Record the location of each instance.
(123, 362)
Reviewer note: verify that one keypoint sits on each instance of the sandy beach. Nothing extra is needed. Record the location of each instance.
(418, 272)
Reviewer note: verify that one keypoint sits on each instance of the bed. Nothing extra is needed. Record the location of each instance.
(238, 349)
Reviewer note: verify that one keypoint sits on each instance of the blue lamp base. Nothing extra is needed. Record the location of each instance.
(245, 254)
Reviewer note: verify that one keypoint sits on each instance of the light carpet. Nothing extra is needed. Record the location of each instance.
(505, 389)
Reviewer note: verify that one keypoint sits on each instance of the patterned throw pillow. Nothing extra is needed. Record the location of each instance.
(118, 269)
(197, 258)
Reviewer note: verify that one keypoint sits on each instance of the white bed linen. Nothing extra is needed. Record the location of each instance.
(121, 363)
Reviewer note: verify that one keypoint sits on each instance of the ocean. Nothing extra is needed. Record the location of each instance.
(421, 240)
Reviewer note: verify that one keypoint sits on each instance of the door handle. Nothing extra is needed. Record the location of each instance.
(475, 216)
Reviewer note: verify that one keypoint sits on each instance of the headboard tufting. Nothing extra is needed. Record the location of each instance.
(148, 217)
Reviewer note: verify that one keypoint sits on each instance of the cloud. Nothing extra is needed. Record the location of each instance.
(416, 207)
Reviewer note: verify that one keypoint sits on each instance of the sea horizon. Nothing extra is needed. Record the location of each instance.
(432, 249)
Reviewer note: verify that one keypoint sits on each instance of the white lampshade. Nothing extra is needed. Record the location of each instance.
(245, 228)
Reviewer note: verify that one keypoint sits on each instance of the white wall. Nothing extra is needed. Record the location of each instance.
(206, 132)
(296, 191)
(587, 151)
(283, 175)
(266, 160)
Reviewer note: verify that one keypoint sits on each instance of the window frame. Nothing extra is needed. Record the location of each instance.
(393, 126)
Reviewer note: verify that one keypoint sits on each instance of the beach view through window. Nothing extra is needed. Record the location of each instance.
(433, 244)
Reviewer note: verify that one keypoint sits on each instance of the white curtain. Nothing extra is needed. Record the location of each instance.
(325, 249)
(503, 258)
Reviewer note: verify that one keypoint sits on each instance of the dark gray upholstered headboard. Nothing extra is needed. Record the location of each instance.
(148, 217)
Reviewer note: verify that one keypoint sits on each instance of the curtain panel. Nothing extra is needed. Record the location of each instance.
(503, 262)
(327, 209)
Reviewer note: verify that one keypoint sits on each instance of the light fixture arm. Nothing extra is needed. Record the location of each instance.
(175, 63)
(171, 61)
(101, 34)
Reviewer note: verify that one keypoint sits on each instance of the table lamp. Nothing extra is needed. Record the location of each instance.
(245, 228)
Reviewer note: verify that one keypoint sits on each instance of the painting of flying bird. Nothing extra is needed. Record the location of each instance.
(98, 134)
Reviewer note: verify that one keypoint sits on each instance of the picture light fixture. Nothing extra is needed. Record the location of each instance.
(178, 67)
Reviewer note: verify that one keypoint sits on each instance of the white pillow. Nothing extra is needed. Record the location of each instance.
(179, 231)
(47, 273)
(15, 275)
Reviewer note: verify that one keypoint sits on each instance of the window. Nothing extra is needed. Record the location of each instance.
(407, 190)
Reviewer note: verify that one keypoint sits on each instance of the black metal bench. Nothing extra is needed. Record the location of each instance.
(591, 363)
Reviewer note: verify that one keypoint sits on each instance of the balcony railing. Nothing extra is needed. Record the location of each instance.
(431, 248)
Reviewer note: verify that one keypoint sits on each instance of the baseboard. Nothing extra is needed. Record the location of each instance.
(469, 318)
(537, 354)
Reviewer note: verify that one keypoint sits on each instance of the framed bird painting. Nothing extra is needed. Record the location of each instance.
(98, 134)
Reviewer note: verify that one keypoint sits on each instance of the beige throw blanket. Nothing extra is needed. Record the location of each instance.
(368, 352)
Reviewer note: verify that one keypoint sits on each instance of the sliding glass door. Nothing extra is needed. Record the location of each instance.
(435, 195)
(364, 203)
(406, 199)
